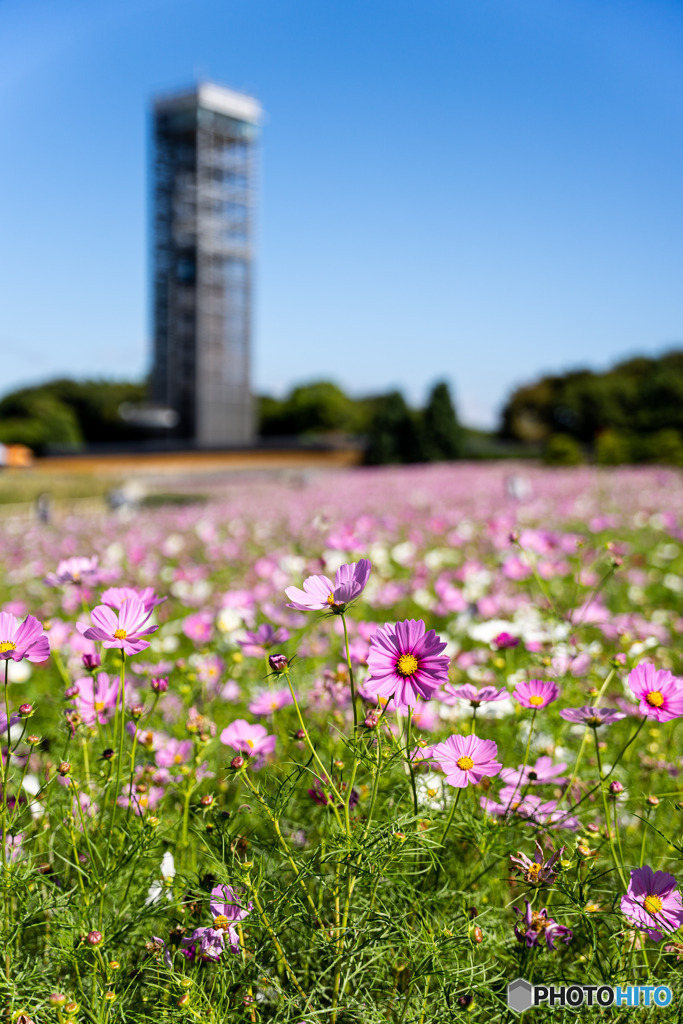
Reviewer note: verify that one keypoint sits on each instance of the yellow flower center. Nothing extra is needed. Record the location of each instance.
(177, 759)
(655, 699)
(432, 792)
(330, 599)
(653, 904)
(99, 705)
(532, 872)
(221, 923)
(407, 665)
(250, 744)
(120, 634)
(536, 700)
(464, 763)
(7, 645)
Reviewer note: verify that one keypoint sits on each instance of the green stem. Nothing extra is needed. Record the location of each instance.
(351, 680)
(120, 729)
(608, 823)
(450, 817)
(314, 752)
(526, 760)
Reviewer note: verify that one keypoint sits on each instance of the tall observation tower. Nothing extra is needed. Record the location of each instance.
(204, 170)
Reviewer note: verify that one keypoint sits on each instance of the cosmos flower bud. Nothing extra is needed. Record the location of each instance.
(137, 711)
(477, 934)
(505, 640)
(371, 720)
(26, 710)
(616, 787)
(300, 734)
(64, 768)
(94, 938)
(71, 1007)
(653, 801)
(32, 739)
(57, 999)
(206, 800)
(278, 662)
(71, 691)
(92, 661)
(159, 685)
(108, 754)
(238, 762)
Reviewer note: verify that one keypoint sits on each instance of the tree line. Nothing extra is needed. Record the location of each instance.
(65, 414)
(633, 412)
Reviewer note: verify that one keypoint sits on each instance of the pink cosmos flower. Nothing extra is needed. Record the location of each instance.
(205, 943)
(660, 694)
(652, 902)
(25, 640)
(228, 903)
(406, 662)
(198, 627)
(115, 596)
(143, 798)
(96, 698)
(537, 925)
(473, 695)
(543, 771)
(466, 759)
(124, 630)
(79, 570)
(589, 715)
(505, 640)
(320, 594)
(266, 703)
(173, 753)
(258, 642)
(248, 739)
(536, 694)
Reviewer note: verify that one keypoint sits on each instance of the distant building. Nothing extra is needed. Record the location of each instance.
(204, 178)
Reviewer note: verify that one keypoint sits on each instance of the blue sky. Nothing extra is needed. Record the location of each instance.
(475, 190)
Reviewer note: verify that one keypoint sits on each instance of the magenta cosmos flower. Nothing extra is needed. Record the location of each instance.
(320, 594)
(652, 902)
(473, 695)
(267, 703)
(536, 694)
(22, 640)
(97, 698)
(465, 760)
(595, 717)
(124, 630)
(406, 662)
(115, 596)
(227, 907)
(258, 642)
(79, 570)
(660, 694)
(248, 739)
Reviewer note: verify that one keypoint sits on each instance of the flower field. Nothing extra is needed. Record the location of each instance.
(358, 747)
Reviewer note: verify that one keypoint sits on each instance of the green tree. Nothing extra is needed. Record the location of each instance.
(395, 432)
(443, 439)
(562, 450)
(38, 419)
